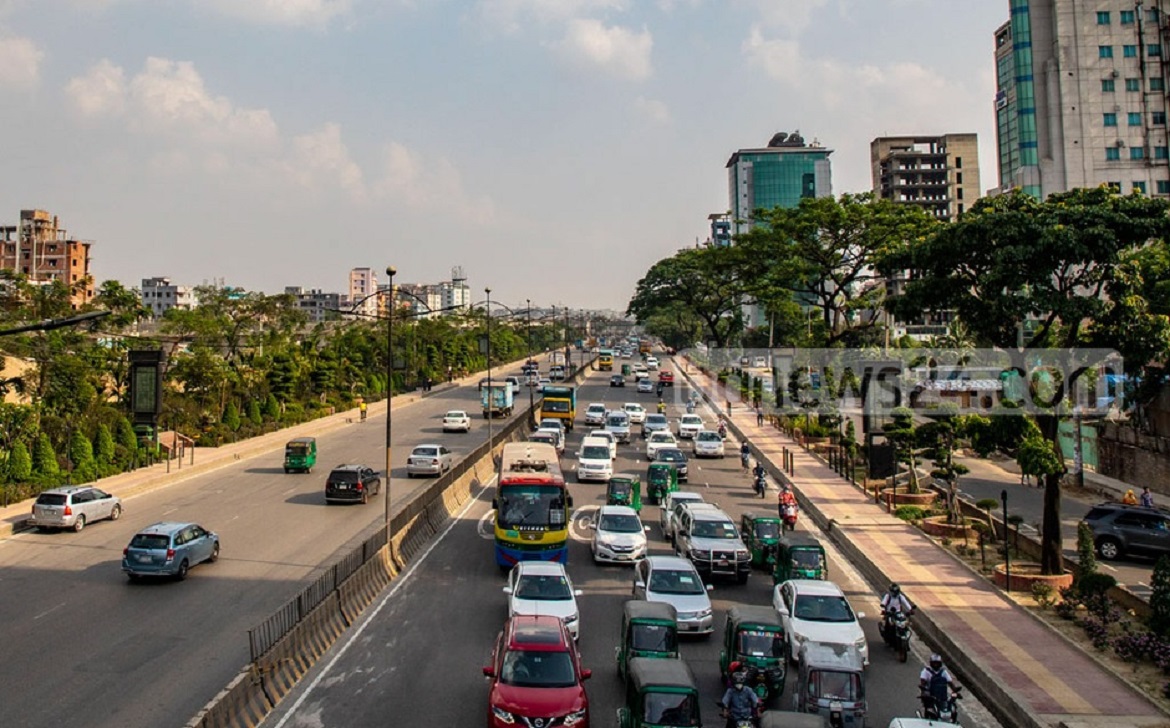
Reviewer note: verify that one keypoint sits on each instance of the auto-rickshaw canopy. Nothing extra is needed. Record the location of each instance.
(624, 489)
(799, 556)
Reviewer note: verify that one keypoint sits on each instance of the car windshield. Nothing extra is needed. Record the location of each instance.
(757, 643)
(715, 529)
(620, 522)
(692, 420)
(597, 410)
(425, 452)
(634, 408)
(543, 587)
(617, 421)
(297, 448)
(538, 669)
(152, 541)
(767, 529)
(545, 436)
(656, 420)
(845, 686)
(673, 581)
(670, 709)
(595, 452)
(653, 637)
(555, 406)
(807, 559)
(672, 455)
(709, 437)
(822, 608)
(533, 506)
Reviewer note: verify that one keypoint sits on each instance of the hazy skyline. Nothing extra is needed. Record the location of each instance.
(552, 148)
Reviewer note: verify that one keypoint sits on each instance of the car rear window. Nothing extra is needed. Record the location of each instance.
(344, 476)
(1097, 513)
(51, 499)
(150, 541)
(429, 452)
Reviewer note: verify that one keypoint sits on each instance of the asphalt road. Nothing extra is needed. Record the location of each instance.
(418, 652)
(82, 647)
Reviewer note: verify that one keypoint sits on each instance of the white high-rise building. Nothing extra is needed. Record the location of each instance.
(159, 295)
(363, 284)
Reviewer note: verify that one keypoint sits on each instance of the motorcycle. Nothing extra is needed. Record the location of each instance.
(737, 722)
(788, 516)
(761, 485)
(948, 712)
(895, 630)
(722, 431)
(691, 407)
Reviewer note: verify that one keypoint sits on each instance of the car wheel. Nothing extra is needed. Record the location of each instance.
(182, 572)
(365, 497)
(286, 471)
(742, 578)
(1108, 549)
(116, 513)
(133, 578)
(214, 554)
(79, 524)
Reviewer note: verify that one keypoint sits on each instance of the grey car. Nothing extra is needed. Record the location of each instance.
(618, 422)
(429, 460)
(655, 423)
(169, 549)
(673, 580)
(74, 507)
(1120, 529)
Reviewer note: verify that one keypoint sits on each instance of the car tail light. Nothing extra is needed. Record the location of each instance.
(170, 554)
(359, 486)
(68, 511)
(126, 551)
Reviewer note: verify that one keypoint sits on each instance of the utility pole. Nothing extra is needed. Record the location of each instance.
(490, 402)
(531, 394)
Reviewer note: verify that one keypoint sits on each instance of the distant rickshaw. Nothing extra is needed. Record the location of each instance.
(649, 629)
(760, 534)
(660, 694)
(300, 455)
(624, 489)
(661, 478)
(799, 557)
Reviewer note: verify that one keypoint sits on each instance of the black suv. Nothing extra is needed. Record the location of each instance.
(349, 483)
(1120, 529)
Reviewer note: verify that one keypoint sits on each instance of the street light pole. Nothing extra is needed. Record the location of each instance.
(568, 352)
(490, 403)
(531, 394)
(390, 271)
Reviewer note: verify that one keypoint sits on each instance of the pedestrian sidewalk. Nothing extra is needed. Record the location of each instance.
(1025, 673)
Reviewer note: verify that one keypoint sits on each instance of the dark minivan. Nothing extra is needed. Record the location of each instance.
(352, 483)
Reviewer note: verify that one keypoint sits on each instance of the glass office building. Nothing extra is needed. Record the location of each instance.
(779, 175)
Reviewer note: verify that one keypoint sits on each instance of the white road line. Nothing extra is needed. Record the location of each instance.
(47, 612)
(485, 527)
(402, 579)
(169, 511)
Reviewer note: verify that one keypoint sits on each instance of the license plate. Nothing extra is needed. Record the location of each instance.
(690, 627)
(723, 562)
(621, 557)
(143, 558)
(343, 487)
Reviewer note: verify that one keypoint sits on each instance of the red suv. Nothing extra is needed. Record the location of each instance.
(536, 676)
(666, 377)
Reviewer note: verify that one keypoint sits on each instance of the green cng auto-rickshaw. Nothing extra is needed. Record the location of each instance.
(300, 454)
(830, 681)
(754, 637)
(760, 534)
(799, 557)
(649, 629)
(661, 478)
(624, 489)
(660, 694)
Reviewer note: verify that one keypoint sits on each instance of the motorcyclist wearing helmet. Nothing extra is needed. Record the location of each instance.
(739, 702)
(895, 601)
(661, 406)
(935, 681)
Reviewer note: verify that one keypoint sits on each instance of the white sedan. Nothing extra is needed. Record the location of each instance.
(618, 535)
(636, 412)
(689, 426)
(817, 611)
(456, 421)
(708, 444)
(658, 441)
(543, 587)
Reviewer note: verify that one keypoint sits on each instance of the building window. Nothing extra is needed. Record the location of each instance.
(1115, 186)
(1161, 152)
(958, 162)
(1136, 153)
(1152, 15)
(1105, 51)
(1157, 84)
(1129, 51)
(1127, 17)
(1107, 86)
(1163, 187)
(1154, 49)
(1135, 118)
(1139, 187)
(1112, 154)
(1102, 17)
(1111, 119)
(959, 178)
(1158, 118)
(1133, 84)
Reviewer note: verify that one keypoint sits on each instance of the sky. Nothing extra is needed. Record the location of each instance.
(555, 149)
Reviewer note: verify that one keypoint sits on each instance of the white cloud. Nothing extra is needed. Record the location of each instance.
(20, 63)
(297, 13)
(101, 92)
(428, 184)
(654, 110)
(792, 16)
(509, 15)
(615, 49)
(321, 159)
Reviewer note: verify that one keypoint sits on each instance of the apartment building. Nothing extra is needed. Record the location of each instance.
(363, 284)
(1081, 96)
(159, 295)
(939, 174)
(42, 250)
(318, 305)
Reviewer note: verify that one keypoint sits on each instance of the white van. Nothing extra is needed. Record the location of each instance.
(593, 461)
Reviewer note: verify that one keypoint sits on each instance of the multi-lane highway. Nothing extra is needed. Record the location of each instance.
(82, 647)
(417, 655)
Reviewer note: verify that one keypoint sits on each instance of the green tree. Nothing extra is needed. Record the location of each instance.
(231, 417)
(1018, 270)
(254, 415)
(81, 457)
(20, 464)
(272, 408)
(707, 282)
(104, 452)
(44, 459)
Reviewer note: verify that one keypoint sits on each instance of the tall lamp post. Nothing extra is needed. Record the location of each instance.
(531, 394)
(390, 271)
(490, 407)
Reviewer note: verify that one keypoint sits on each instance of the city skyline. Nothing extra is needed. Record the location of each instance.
(274, 144)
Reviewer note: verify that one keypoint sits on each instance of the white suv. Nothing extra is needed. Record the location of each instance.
(689, 426)
(593, 461)
(666, 513)
(595, 414)
(817, 611)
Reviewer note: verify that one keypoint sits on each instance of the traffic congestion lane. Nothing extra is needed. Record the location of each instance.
(433, 632)
(76, 634)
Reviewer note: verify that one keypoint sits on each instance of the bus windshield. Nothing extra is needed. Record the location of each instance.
(531, 506)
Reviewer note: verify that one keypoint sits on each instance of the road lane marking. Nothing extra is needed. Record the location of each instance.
(486, 528)
(169, 511)
(585, 516)
(49, 611)
(369, 618)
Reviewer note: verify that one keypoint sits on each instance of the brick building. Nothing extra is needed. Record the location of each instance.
(41, 249)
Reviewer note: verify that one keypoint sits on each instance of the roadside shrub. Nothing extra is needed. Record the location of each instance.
(909, 513)
(1135, 646)
(1159, 621)
(1103, 608)
(1097, 631)
(1160, 654)
(1086, 556)
(1043, 594)
(1095, 584)
(1070, 599)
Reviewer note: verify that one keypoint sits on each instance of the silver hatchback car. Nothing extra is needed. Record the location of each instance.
(74, 507)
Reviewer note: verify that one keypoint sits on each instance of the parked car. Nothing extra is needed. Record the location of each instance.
(708, 537)
(673, 580)
(689, 426)
(618, 535)
(456, 421)
(666, 514)
(708, 444)
(429, 460)
(536, 675)
(543, 587)
(636, 412)
(617, 380)
(658, 441)
(595, 414)
(655, 423)
(1120, 529)
(350, 483)
(645, 386)
(817, 611)
(169, 549)
(675, 457)
(74, 507)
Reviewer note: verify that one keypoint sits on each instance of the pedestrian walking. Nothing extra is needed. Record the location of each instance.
(728, 401)
(759, 416)
(1025, 479)
(362, 410)
(1147, 497)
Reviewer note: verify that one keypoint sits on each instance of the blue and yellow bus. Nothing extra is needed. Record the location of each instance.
(532, 505)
